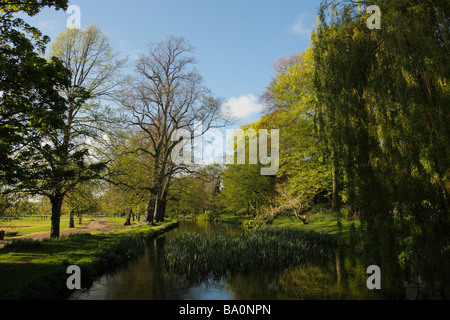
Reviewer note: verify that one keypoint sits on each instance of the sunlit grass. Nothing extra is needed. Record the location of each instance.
(320, 219)
(24, 226)
(36, 225)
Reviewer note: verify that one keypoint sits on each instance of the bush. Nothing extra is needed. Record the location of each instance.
(213, 217)
(257, 223)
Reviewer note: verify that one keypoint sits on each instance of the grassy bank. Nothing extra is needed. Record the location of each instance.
(37, 269)
(319, 220)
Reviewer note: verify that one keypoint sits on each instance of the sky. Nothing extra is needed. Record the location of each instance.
(236, 41)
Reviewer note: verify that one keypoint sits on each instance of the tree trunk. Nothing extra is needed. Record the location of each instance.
(150, 210)
(336, 203)
(71, 220)
(160, 210)
(56, 202)
(128, 220)
(160, 204)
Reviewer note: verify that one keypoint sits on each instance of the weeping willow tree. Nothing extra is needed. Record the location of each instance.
(385, 97)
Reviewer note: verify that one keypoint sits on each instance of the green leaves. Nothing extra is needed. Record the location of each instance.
(246, 189)
(386, 102)
(30, 103)
(304, 159)
(30, 7)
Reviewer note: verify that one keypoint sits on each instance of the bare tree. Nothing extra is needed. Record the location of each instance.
(168, 96)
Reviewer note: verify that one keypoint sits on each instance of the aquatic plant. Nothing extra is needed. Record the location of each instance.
(268, 249)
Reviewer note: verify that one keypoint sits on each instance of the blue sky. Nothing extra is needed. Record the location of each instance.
(236, 41)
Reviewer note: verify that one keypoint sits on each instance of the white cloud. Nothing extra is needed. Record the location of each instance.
(243, 107)
(299, 26)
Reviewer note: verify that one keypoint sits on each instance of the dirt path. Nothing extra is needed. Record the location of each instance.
(100, 224)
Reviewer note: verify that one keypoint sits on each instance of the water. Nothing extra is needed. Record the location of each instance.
(147, 279)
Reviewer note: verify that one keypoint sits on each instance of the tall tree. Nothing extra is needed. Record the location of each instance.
(385, 96)
(244, 185)
(68, 156)
(29, 85)
(168, 96)
(94, 64)
(345, 54)
(33, 108)
(304, 157)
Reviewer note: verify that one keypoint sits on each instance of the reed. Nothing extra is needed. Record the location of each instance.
(271, 249)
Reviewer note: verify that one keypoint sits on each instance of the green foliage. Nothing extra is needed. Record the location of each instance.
(94, 65)
(30, 7)
(244, 188)
(305, 166)
(197, 192)
(127, 173)
(384, 99)
(257, 223)
(82, 201)
(31, 106)
(243, 185)
(213, 217)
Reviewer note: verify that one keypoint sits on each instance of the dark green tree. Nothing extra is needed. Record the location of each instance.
(385, 98)
(30, 103)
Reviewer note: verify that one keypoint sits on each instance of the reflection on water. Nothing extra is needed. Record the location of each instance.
(147, 279)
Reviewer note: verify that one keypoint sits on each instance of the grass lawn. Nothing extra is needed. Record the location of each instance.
(319, 222)
(36, 225)
(25, 226)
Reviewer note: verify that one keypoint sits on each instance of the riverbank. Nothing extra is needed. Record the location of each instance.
(319, 220)
(37, 269)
